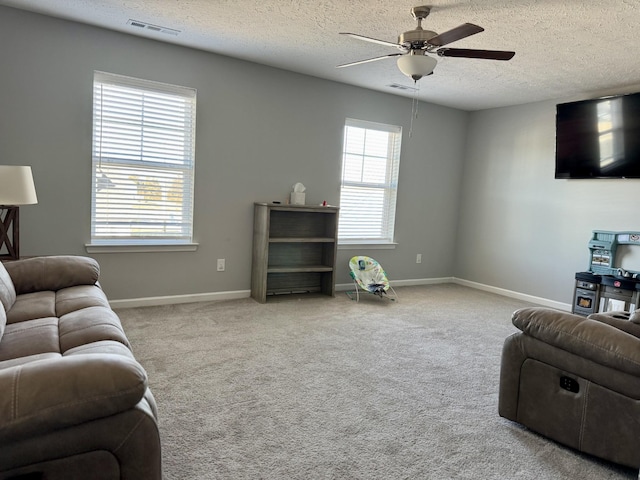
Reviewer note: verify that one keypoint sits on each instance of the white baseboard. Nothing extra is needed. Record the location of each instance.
(517, 295)
(175, 299)
(232, 295)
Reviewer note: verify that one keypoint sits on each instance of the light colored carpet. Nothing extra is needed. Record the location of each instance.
(313, 387)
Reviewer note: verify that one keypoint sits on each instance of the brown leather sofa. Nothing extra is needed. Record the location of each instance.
(74, 402)
(575, 380)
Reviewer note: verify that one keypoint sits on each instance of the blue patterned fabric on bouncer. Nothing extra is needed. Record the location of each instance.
(369, 276)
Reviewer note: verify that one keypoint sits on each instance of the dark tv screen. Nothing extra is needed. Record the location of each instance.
(599, 138)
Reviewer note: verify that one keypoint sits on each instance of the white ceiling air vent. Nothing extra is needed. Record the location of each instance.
(153, 28)
(401, 87)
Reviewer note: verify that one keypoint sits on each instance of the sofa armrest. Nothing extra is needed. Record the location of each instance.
(52, 273)
(44, 396)
(591, 339)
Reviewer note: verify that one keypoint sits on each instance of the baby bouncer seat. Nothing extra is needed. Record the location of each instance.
(369, 276)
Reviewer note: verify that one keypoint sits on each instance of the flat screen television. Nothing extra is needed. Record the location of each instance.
(599, 138)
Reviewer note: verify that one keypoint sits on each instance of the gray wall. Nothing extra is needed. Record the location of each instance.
(504, 221)
(259, 130)
(520, 229)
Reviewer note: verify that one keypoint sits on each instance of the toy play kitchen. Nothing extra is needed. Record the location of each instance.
(607, 286)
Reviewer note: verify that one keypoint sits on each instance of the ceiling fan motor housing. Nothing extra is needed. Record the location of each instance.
(416, 38)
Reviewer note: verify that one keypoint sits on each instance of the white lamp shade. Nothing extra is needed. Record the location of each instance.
(416, 66)
(16, 186)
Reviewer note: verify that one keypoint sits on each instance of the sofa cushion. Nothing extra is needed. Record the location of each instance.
(24, 339)
(15, 362)
(82, 296)
(620, 320)
(92, 324)
(7, 289)
(52, 273)
(31, 306)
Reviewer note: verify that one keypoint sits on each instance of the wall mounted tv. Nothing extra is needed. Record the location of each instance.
(599, 138)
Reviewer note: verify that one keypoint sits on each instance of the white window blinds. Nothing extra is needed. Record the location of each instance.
(143, 161)
(370, 161)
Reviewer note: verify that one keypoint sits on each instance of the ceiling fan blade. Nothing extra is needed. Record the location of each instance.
(372, 40)
(458, 33)
(471, 53)
(374, 59)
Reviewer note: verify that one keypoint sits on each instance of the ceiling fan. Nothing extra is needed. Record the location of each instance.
(414, 45)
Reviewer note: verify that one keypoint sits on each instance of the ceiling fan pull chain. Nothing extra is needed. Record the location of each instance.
(414, 106)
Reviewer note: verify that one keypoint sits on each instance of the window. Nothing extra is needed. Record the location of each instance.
(143, 162)
(370, 160)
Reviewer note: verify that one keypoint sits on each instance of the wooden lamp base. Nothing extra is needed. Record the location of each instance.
(9, 233)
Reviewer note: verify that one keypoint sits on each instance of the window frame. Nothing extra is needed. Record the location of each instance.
(386, 238)
(123, 144)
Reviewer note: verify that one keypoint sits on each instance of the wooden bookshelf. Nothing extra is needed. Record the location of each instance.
(294, 249)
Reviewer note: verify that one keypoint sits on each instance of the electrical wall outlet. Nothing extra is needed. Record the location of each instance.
(221, 265)
(419, 258)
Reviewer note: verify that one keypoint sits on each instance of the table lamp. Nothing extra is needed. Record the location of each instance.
(16, 188)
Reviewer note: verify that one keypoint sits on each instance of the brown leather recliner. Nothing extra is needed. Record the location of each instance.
(74, 402)
(575, 380)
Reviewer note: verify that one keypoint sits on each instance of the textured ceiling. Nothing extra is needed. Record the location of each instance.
(567, 50)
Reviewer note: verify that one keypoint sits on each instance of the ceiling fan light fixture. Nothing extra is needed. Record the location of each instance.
(416, 66)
